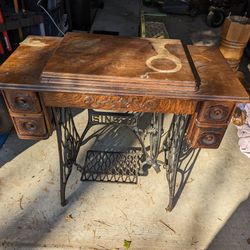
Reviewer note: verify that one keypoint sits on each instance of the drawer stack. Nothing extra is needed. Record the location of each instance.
(30, 118)
(208, 125)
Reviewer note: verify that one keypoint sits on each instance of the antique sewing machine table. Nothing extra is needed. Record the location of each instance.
(123, 77)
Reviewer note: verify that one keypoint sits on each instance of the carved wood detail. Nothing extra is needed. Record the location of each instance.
(120, 103)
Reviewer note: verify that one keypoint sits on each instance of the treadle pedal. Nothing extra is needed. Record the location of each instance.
(111, 166)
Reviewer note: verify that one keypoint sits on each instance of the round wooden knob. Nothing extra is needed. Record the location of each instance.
(218, 113)
(208, 139)
(21, 102)
(30, 126)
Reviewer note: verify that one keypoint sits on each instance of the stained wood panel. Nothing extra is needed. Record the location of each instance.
(30, 126)
(24, 67)
(215, 112)
(106, 62)
(218, 92)
(32, 120)
(22, 101)
(209, 123)
(218, 82)
(120, 103)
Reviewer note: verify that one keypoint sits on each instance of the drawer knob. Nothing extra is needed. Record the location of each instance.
(30, 126)
(21, 102)
(209, 139)
(218, 113)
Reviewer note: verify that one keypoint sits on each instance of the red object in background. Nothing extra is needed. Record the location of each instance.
(5, 35)
(1, 48)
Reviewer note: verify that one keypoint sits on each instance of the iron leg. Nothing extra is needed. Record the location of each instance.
(67, 140)
(174, 144)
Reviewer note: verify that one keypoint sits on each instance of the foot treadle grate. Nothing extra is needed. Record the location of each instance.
(155, 30)
(111, 166)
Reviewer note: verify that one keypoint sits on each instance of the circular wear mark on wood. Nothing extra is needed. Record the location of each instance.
(163, 63)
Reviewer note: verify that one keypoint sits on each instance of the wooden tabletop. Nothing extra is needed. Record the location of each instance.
(104, 62)
(22, 70)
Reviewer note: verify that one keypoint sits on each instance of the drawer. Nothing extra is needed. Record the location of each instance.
(22, 101)
(201, 136)
(209, 137)
(215, 112)
(30, 126)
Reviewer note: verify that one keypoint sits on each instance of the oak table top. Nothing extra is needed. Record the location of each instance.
(71, 73)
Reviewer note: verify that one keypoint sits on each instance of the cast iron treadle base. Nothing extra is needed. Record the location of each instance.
(111, 166)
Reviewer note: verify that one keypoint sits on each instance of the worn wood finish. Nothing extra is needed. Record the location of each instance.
(235, 35)
(22, 101)
(215, 112)
(205, 137)
(32, 120)
(213, 70)
(104, 62)
(215, 76)
(216, 97)
(120, 103)
(209, 123)
(24, 67)
(30, 126)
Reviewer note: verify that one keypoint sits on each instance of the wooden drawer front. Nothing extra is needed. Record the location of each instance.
(205, 137)
(22, 101)
(30, 126)
(211, 112)
(120, 103)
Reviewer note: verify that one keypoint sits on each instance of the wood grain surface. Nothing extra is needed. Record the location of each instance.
(105, 61)
(23, 68)
(120, 103)
(219, 90)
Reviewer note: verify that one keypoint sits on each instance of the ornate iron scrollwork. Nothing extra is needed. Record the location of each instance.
(177, 150)
(174, 145)
(67, 138)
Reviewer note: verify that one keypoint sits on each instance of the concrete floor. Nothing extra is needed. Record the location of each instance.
(212, 212)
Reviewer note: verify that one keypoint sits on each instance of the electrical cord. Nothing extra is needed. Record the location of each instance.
(51, 18)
